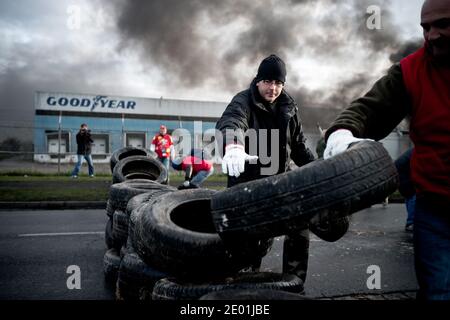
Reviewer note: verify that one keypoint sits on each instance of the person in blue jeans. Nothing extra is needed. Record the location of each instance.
(84, 149)
(196, 168)
(431, 239)
(406, 187)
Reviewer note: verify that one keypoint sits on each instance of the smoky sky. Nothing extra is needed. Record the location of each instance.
(17, 86)
(168, 35)
(203, 45)
(406, 49)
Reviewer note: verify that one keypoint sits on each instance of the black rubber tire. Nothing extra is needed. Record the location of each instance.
(123, 251)
(176, 234)
(171, 289)
(135, 276)
(140, 167)
(111, 264)
(109, 209)
(128, 152)
(108, 234)
(356, 179)
(121, 193)
(331, 230)
(253, 294)
(134, 209)
(120, 229)
(142, 198)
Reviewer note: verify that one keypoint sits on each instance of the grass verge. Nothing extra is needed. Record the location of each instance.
(26, 186)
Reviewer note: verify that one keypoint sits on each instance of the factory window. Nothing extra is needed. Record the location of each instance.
(100, 146)
(135, 139)
(53, 143)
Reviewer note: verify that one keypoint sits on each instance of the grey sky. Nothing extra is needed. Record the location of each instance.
(205, 50)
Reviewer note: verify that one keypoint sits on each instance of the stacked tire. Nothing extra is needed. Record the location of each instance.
(135, 276)
(321, 194)
(194, 244)
(127, 152)
(135, 171)
(175, 232)
(137, 163)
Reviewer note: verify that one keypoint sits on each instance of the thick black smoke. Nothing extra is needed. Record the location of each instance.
(174, 36)
(45, 61)
(405, 50)
(198, 44)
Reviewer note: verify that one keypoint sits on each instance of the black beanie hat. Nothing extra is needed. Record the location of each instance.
(272, 68)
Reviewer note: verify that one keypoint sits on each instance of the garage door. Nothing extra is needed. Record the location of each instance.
(99, 145)
(53, 146)
(136, 141)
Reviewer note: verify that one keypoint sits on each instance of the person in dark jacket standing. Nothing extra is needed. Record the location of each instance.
(419, 86)
(84, 141)
(266, 113)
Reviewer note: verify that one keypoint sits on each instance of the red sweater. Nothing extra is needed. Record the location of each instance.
(162, 145)
(428, 86)
(197, 164)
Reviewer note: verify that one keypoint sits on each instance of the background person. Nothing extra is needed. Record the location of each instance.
(163, 146)
(84, 149)
(196, 168)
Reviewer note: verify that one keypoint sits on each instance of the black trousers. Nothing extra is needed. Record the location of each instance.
(296, 253)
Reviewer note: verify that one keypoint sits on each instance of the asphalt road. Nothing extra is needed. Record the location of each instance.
(34, 258)
(37, 247)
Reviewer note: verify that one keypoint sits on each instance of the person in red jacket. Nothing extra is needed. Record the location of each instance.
(163, 146)
(418, 87)
(196, 169)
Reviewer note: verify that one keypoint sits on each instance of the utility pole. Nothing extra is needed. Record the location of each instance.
(59, 142)
(123, 124)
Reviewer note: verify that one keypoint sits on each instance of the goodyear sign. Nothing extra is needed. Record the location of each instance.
(92, 103)
(103, 103)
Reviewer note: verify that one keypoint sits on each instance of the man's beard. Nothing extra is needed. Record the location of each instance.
(442, 58)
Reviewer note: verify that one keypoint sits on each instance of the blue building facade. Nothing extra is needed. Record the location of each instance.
(116, 122)
(123, 122)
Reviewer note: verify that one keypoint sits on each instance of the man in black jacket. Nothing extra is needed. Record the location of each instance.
(84, 141)
(268, 115)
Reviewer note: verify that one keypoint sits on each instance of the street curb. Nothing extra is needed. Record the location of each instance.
(53, 205)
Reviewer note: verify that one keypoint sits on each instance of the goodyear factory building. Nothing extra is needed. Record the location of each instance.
(116, 122)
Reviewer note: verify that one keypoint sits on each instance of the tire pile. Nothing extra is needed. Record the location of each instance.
(136, 172)
(169, 244)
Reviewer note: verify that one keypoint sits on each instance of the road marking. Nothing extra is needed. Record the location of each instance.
(59, 234)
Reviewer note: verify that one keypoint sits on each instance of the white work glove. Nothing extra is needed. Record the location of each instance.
(338, 142)
(233, 163)
(152, 147)
(186, 184)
